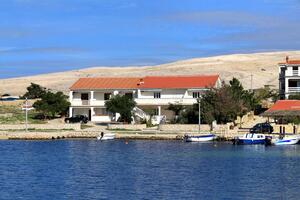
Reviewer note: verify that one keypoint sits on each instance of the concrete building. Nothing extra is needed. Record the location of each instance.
(88, 95)
(289, 78)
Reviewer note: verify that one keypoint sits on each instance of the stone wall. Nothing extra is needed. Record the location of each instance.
(40, 126)
(127, 126)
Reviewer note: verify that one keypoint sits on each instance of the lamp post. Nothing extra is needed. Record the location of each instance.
(26, 115)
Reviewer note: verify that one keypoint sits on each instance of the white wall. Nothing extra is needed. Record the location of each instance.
(81, 111)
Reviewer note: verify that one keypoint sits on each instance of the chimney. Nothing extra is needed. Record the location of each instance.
(287, 59)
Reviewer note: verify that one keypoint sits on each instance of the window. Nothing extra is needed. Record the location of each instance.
(196, 95)
(84, 96)
(156, 95)
(107, 96)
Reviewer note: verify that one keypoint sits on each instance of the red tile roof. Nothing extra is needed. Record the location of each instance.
(176, 82)
(285, 105)
(290, 62)
(105, 83)
(157, 82)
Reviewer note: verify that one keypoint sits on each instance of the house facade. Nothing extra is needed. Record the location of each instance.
(88, 95)
(289, 78)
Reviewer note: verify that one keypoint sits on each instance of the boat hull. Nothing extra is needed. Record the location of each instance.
(106, 136)
(250, 141)
(288, 141)
(198, 138)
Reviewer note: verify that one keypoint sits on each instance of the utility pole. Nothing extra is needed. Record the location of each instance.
(26, 114)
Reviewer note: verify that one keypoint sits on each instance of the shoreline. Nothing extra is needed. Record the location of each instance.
(132, 135)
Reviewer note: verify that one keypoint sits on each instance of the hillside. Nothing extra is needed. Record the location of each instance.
(263, 66)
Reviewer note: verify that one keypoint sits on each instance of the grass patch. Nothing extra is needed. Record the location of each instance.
(123, 129)
(39, 130)
(17, 115)
(85, 126)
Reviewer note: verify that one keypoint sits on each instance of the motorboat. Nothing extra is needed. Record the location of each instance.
(287, 140)
(199, 138)
(106, 136)
(250, 138)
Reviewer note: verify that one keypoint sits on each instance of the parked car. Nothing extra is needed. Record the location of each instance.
(262, 128)
(77, 119)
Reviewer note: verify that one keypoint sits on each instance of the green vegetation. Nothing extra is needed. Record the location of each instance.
(52, 104)
(294, 96)
(85, 126)
(176, 108)
(14, 115)
(123, 105)
(124, 129)
(222, 104)
(266, 93)
(34, 91)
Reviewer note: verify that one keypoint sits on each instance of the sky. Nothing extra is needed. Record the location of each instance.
(42, 36)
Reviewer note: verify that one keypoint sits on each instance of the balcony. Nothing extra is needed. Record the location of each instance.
(295, 72)
(294, 89)
(79, 102)
(165, 101)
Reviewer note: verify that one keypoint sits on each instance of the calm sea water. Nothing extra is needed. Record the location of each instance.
(88, 169)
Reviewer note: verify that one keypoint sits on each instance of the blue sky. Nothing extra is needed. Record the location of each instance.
(41, 36)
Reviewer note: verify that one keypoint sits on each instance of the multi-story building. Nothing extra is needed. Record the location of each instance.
(88, 95)
(289, 78)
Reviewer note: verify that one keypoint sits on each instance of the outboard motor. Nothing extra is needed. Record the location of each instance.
(268, 140)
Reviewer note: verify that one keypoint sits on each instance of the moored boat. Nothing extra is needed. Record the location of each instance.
(288, 140)
(250, 138)
(106, 136)
(199, 138)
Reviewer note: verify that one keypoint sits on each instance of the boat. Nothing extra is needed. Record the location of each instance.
(106, 136)
(287, 140)
(250, 138)
(199, 137)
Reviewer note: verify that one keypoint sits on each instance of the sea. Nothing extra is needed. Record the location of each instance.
(147, 169)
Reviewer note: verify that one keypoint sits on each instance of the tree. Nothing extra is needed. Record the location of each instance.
(266, 93)
(52, 104)
(123, 105)
(176, 108)
(222, 104)
(34, 91)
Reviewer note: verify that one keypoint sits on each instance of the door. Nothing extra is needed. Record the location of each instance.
(90, 114)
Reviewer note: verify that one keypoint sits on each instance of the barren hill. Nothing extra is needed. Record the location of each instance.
(263, 66)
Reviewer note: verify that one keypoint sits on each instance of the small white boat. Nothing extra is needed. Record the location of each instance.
(288, 140)
(199, 138)
(106, 136)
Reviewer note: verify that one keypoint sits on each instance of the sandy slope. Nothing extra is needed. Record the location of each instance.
(263, 66)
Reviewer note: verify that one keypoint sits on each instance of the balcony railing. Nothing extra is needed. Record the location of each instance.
(79, 102)
(294, 89)
(295, 72)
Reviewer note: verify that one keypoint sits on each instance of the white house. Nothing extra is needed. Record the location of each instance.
(88, 95)
(289, 78)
